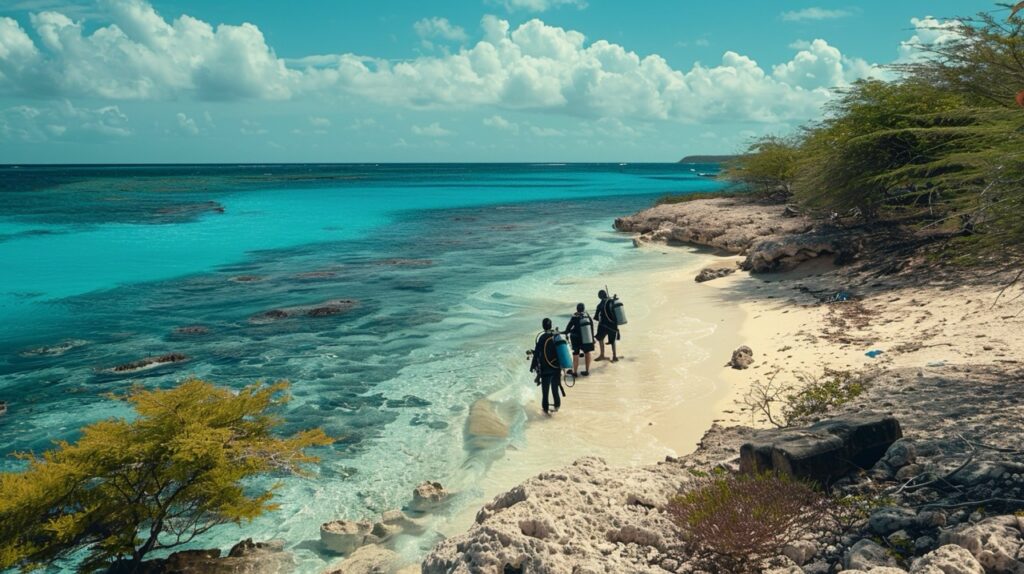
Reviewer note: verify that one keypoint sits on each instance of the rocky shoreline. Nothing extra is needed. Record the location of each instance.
(944, 493)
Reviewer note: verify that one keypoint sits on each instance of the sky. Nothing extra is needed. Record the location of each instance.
(195, 81)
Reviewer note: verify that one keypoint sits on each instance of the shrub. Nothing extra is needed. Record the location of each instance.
(811, 398)
(127, 488)
(736, 522)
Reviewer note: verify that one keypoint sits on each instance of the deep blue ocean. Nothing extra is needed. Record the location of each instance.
(450, 267)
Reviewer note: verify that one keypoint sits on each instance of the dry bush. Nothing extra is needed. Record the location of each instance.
(735, 522)
(812, 396)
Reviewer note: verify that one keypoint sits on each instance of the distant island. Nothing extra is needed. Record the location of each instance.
(708, 158)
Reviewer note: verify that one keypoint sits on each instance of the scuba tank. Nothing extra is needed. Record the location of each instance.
(586, 329)
(562, 349)
(618, 311)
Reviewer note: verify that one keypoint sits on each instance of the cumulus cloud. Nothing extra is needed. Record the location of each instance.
(815, 13)
(439, 28)
(433, 130)
(318, 122)
(187, 125)
(546, 132)
(928, 31)
(62, 121)
(500, 123)
(534, 66)
(540, 5)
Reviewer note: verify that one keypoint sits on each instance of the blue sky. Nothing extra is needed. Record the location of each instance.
(405, 81)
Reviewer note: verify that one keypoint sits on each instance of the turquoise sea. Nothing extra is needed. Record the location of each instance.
(452, 267)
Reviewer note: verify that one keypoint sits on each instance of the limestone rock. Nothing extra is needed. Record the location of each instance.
(785, 253)
(742, 358)
(711, 273)
(890, 519)
(345, 536)
(370, 559)
(800, 551)
(867, 554)
(900, 454)
(995, 542)
(824, 451)
(428, 496)
(948, 559)
(246, 557)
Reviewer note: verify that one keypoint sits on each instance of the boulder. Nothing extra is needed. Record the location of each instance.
(345, 536)
(867, 554)
(900, 454)
(800, 551)
(370, 559)
(428, 496)
(246, 557)
(742, 358)
(711, 273)
(824, 451)
(948, 559)
(890, 519)
(778, 254)
(995, 542)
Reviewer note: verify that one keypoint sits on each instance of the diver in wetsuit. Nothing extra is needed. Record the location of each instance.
(579, 348)
(607, 328)
(545, 364)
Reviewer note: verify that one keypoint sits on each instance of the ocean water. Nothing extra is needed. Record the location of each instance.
(451, 267)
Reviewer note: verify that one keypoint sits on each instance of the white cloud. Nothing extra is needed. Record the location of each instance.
(187, 125)
(500, 123)
(815, 13)
(546, 132)
(433, 130)
(439, 28)
(534, 66)
(62, 121)
(820, 64)
(541, 5)
(252, 128)
(928, 31)
(318, 122)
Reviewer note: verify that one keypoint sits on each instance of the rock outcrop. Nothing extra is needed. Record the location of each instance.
(325, 309)
(730, 225)
(823, 451)
(147, 364)
(246, 557)
(712, 273)
(742, 358)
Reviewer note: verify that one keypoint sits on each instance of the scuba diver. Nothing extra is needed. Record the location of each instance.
(607, 326)
(548, 366)
(581, 334)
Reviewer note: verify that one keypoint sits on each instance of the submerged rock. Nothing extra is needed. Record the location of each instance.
(3, 408)
(325, 309)
(485, 427)
(742, 358)
(192, 330)
(54, 350)
(345, 536)
(824, 451)
(427, 496)
(148, 363)
(246, 557)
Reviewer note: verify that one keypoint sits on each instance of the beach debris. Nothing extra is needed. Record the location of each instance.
(711, 273)
(148, 363)
(839, 297)
(742, 358)
(54, 350)
(874, 353)
(824, 451)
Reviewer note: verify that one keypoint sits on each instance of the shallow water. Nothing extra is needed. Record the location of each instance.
(452, 268)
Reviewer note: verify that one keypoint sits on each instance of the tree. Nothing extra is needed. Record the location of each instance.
(127, 488)
(768, 166)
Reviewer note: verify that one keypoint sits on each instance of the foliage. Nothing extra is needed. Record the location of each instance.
(768, 167)
(686, 197)
(738, 521)
(812, 396)
(938, 146)
(127, 488)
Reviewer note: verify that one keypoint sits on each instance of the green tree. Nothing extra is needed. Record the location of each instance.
(127, 488)
(768, 166)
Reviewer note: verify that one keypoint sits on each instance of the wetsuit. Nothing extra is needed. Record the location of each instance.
(606, 325)
(576, 336)
(549, 372)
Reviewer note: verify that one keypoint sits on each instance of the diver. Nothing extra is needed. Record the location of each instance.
(607, 327)
(548, 368)
(581, 335)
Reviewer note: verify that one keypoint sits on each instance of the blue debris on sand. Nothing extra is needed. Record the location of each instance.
(874, 353)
